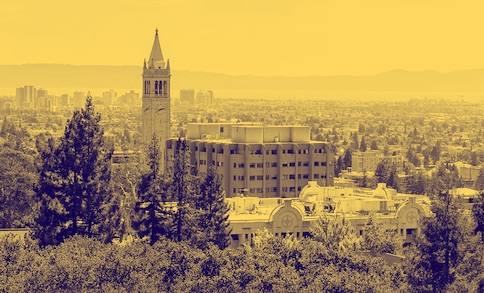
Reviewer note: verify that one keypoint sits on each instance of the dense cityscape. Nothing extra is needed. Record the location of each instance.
(189, 189)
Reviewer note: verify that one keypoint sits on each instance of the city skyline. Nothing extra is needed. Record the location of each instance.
(269, 38)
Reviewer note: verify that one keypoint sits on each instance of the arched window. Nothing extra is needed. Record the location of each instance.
(164, 88)
(156, 87)
(161, 87)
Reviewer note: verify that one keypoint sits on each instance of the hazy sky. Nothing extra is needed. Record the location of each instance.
(259, 37)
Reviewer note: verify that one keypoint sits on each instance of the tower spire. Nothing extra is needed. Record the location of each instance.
(156, 57)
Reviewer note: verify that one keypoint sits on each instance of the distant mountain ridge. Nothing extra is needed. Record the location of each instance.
(106, 77)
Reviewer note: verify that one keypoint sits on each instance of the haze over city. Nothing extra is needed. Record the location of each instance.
(264, 38)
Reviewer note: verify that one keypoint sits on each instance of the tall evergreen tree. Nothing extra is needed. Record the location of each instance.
(439, 246)
(182, 191)
(214, 217)
(479, 184)
(152, 209)
(348, 157)
(363, 146)
(74, 181)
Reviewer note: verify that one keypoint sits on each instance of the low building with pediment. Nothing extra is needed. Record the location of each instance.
(295, 216)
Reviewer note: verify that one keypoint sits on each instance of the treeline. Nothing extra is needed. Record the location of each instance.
(448, 256)
(68, 186)
(78, 204)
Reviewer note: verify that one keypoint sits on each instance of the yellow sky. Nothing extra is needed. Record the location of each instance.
(259, 37)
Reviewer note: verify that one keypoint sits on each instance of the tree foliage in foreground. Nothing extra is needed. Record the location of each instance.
(182, 205)
(73, 189)
(441, 246)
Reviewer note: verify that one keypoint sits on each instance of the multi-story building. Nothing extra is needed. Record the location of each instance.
(109, 98)
(369, 160)
(281, 217)
(204, 97)
(26, 96)
(156, 97)
(264, 161)
(78, 100)
(187, 96)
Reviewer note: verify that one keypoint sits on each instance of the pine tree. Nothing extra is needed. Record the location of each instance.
(478, 212)
(182, 191)
(479, 184)
(213, 220)
(152, 209)
(374, 145)
(74, 181)
(348, 157)
(363, 146)
(439, 246)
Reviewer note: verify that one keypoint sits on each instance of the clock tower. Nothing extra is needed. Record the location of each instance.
(156, 97)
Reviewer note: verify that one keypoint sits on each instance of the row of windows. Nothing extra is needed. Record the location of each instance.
(268, 152)
(284, 177)
(284, 164)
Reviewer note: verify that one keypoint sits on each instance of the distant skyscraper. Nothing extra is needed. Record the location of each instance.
(205, 97)
(109, 98)
(187, 96)
(156, 96)
(26, 96)
(78, 100)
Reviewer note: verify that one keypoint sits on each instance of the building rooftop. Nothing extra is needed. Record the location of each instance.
(316, 201)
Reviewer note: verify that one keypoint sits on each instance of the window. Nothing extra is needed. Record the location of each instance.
(221, 129)
(290, 151)
(267, 177)
(292, 164)
(306, 164)
(252, 165)
(292, 176)
(316, 164)
(260, 177)
(273, 177)
(298, 176)
(274, 165)
(235, 177)
(316, 176)
(260, 165)
(305, 176)
(156, 87)
(274, 152)
(235, 165)
(285, 176)
(323, 163)
(235, 237)
(252, 178)
(284, 164)
(258, 152)
(260, 190)
(292, 189)
(241, 165)
(284, 189)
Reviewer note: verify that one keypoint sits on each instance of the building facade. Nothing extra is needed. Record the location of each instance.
(281, 217)
(156, 97)
(263, 161)
(369, 160)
